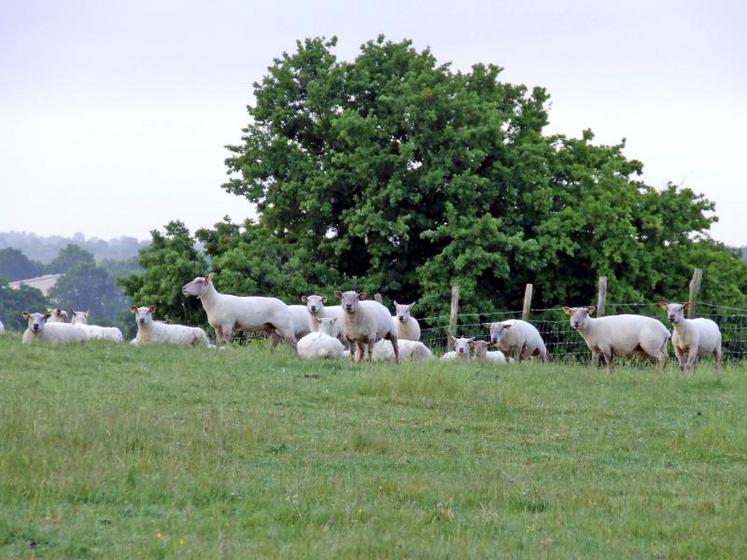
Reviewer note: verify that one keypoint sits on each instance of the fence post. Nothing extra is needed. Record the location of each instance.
(694, 290)
(602, 297)
(377, 297)
(527, 302)
(453, 314)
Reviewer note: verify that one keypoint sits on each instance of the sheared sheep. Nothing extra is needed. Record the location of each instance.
(365, 322)
(39, 331)
(155, 332)
(692, 337)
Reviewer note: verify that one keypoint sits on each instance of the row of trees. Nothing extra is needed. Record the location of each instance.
(394, 174)
(45, 248)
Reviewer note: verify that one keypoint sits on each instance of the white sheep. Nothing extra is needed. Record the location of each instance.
(518, 339)
(482, 353)
(620, 335)
(365, 322)
(227, 313)
(321, 344)
(462, 349)
(407, 326)
(299, 320)
(692, 337)
(95, 332)
(316, 309)
(57, 316)
(155, 332)
(38, 330)
(412, 350)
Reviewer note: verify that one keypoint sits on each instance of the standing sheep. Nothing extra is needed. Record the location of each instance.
(620, 335)
(38, 330)
(518, 339)
(365, 322)
(227, 313)
(155, 332)
(692, 337)
(407, 326)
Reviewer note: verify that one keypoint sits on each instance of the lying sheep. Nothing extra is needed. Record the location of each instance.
(407, 326)
(38, 330)
(412, 350)
(462, 349)
(482, 353)
(95, 332)
(518, 339)
(365, 322)
(620, 335)
(57, 316)
(155, 332)
(321, 344)
(227, 313)
(692, 337)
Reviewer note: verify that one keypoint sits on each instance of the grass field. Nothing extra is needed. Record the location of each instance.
(117, 452)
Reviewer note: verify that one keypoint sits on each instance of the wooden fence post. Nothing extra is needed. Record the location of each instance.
(602, 297)
(377, 297)
(697, 279)
(453, 316)
(527, 302)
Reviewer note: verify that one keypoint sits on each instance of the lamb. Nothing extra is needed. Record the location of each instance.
(316, 308)
(39, 331)
(461, 350)
(321, 344)
(407, 326)
(483, 354)
(692, 337)
(57, 316)
(155, 332)
(227, 313)
(365, 322)
(299, 320)
(620, 335)
(517, 338)
(412, 350)
(95, 332)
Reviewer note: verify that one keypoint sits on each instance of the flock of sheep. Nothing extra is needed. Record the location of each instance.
(370, 332)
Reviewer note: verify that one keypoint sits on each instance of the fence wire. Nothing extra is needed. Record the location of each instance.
(565, 344)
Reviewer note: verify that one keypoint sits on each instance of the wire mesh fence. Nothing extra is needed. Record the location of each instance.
(565, 344)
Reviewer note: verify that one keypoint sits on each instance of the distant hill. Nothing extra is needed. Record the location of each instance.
(45, 249)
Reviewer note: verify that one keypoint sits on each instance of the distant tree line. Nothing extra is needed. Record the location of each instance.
(45, 249)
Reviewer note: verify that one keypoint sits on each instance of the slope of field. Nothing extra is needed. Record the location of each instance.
(120, 452)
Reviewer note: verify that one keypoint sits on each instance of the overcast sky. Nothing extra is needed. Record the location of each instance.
(113, 115)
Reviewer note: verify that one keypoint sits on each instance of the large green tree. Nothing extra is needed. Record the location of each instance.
(13, 302)
(14, 265)
(69, 257)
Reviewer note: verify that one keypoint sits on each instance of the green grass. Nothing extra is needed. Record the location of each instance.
(118, 452)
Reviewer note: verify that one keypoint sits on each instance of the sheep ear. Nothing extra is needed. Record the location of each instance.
(486, 325)
(338, 294)
(304, 298)
(686, 306)
(26, 315)
(133, 308)
(663, 304)
(591, 309)
(324, 299)
(395, 303)
(362, 295)
(152, 309)
(209, 278)
(411, 305)
(567, 310)
(505, 326)
(451, 338)
(471, 339)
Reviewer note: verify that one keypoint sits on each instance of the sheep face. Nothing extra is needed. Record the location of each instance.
(402, 311)
(497, 331)
(462, 346)
(56, 315)
(349, 300)
(143, 315)
(675, 311)
(196, 286)
(481, 348)
(36, 321)
(315, 304)
(80, 317)
(579, 316)
(326, 325)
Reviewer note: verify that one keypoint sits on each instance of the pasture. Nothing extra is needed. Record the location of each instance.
(111, 451)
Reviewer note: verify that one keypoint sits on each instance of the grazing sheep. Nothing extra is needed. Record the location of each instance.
(692, 337)
(412, 350)
(95, 332)
(462, 349)
(155, 332)
(365, 322)
(407, 326)
(321, 344)
(517, 338)
(57, 316)
(40, 331)
(482, 353)
(227, 313)
(620, 335)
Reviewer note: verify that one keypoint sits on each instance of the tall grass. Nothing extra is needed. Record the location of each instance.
(118, 452)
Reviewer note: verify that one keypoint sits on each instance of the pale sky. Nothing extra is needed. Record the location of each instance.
(113, 115)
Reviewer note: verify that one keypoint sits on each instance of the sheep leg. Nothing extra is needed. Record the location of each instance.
(680, 358)
(594, 359)
(717, 357)
(370, 351)
(395, 346)
(608, 356)
(692, 357)
(351, 348)
(360, 349)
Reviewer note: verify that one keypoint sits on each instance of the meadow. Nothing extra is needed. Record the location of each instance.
(112, 451)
